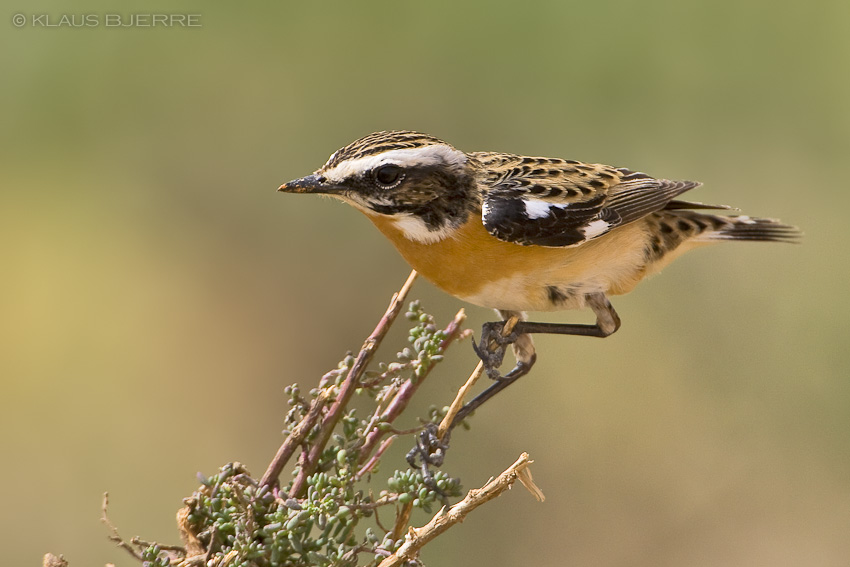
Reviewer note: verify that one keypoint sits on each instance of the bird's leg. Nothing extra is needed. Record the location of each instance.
(429, 449)
(607, 322)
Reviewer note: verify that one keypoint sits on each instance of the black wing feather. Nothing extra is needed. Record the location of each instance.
(578, 203)
(507, 219)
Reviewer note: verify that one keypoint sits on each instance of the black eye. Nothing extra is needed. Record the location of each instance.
(388, 175)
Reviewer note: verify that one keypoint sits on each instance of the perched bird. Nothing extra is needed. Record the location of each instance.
(517, 233)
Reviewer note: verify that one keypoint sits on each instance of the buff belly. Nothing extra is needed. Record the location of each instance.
(478, 268)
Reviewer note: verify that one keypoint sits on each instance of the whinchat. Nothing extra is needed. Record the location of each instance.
(517, 233)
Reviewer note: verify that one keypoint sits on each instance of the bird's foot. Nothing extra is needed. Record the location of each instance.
(429, 451)
(491, 349)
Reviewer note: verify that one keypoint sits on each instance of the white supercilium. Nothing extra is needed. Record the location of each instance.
(427, 155)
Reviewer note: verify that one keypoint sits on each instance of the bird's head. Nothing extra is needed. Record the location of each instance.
(417, 179)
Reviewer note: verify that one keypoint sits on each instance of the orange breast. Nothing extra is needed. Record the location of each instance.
(479, 268)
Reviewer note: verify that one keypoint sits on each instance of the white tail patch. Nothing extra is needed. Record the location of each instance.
(411, 157)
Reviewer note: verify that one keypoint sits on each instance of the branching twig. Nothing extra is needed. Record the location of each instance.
(408, 389)
(402, 520)
(137, 541)
(294, 439)
(418, 537)
(367, 467)
(345, 448)
(349, 385)
(113, 531)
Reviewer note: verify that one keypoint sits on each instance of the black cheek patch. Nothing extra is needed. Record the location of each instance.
(439, 198)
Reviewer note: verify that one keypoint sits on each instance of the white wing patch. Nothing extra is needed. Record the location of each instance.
(410, 157)
(485, 209)
(536, 209)
(595, 228)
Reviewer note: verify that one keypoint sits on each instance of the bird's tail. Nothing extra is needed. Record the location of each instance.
(675, 231)
(744, 228)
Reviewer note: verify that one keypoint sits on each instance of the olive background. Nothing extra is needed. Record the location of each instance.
(156, 294)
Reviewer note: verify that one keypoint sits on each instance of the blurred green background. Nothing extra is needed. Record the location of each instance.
(157, 294)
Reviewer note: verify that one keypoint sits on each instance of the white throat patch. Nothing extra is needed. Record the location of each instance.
(414, 228)
(426, 155)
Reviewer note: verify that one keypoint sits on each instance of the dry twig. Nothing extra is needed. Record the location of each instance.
(457, 404)
(113, 531)
(418, 537)
(408, 389)
(349, 386)
(294, 439)
(362, 448)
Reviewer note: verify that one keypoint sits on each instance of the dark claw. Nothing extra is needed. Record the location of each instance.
(429, 449)
(521, 369)
(492, 332)
(428, 452)
(492, 360)
(492, 347)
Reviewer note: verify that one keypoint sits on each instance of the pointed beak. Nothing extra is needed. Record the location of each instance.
(310, 184)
